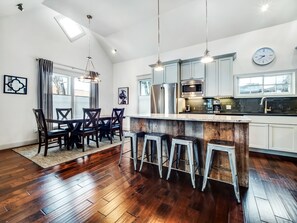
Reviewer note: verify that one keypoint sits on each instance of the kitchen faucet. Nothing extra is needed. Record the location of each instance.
(265, 105)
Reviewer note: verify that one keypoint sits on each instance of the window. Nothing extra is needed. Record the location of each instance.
(144, 91)
(274, 84)
(72, 30)
(69, 92)
(145, 87)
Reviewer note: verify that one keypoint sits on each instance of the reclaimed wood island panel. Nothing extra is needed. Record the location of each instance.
(205, 127)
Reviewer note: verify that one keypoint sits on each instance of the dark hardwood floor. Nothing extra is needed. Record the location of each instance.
(95, 189)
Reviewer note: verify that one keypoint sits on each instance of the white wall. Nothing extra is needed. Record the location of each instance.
(35, 34)
(282, 38)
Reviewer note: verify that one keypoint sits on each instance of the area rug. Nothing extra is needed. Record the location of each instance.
(57, 156)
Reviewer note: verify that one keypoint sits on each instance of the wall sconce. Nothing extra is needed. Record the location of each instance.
(20, 6)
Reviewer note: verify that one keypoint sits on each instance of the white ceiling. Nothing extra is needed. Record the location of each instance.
(130, 26)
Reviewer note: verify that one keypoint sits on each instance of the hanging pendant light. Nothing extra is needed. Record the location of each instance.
(206, 58)
(159, 65)
(90, 75)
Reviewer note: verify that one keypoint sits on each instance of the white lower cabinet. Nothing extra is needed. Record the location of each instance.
(273, 133)
(283, 137)
(258, 135)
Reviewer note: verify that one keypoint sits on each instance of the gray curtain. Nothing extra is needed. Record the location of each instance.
(45, 100)
(94, 95)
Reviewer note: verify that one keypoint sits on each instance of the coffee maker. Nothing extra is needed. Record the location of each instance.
(216, 106)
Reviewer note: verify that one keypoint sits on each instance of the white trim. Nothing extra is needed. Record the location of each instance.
(144, 76)
(59, 69)
(273, 152)
(19, 144)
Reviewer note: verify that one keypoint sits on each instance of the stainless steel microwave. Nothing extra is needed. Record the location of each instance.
(192, 88)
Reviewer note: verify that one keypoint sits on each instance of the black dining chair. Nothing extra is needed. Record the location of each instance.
(44, 135)
(64, 114)
(115, 123)
(89, 126)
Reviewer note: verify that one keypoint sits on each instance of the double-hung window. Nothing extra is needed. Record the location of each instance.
(270, 84)
(144, 87)
(69, 92)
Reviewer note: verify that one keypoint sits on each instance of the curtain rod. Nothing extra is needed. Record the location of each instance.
(63, 65)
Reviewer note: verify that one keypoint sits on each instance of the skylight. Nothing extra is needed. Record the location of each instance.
(72, 30)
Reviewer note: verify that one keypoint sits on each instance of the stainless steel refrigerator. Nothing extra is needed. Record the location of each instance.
(164, 98)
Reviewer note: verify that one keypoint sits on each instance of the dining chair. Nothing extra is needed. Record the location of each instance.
(114, 124)
(64, 114)
(89, 126)
(44, 135)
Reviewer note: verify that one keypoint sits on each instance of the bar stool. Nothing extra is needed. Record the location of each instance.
(224, 146)
(134, 145)
(158, 138)
(191, 144)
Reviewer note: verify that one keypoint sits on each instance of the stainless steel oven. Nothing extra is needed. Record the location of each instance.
(192, 88)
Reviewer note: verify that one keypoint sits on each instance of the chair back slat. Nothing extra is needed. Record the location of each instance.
(91, 117)
(40, 120)
(64, 113)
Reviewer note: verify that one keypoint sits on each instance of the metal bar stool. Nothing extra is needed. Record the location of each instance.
(224, 146)
(191, 144)
(134, 145)
(158, 138)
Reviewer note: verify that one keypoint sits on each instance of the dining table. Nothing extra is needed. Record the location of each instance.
(74, 125)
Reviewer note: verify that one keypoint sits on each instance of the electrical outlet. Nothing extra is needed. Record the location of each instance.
(228, 107)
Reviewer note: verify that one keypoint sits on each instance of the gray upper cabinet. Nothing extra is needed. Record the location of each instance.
(226, 77)
(219, 78)
(158, 77)
(185, 71)
(211, 79)
(192, 70)
(170, 73)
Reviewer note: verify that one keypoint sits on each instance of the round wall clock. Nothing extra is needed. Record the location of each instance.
(263, 56)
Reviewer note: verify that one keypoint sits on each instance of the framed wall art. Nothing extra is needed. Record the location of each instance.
(14, 85)
(123, 95)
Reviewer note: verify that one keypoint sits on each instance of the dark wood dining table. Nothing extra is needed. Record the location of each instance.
(74, 125)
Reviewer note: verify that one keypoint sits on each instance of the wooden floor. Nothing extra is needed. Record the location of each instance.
(96, 189)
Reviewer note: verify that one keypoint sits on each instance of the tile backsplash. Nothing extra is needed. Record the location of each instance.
(277, 104)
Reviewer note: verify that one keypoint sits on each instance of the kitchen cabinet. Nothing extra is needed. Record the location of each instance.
(273, 133)
(219, 78)
(192, 70)
(170, 73)
(283, 137)
(258, 135)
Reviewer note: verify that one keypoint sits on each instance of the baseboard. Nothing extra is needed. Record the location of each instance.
(13, 145)
(273, 152)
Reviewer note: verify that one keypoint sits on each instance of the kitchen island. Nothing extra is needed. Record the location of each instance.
(205, 127)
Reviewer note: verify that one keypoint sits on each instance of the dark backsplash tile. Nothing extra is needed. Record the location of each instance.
(250, 105)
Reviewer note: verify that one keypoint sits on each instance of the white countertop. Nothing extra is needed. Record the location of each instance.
(195, 117)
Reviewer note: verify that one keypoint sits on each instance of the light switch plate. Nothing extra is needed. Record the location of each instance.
(228, 107)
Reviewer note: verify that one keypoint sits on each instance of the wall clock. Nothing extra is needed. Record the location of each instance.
(263, 56)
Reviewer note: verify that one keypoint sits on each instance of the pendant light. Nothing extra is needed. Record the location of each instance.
(206, 58)
(90, 75)
(159, 65)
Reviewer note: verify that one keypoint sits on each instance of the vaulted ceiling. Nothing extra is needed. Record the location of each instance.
(130, 26)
